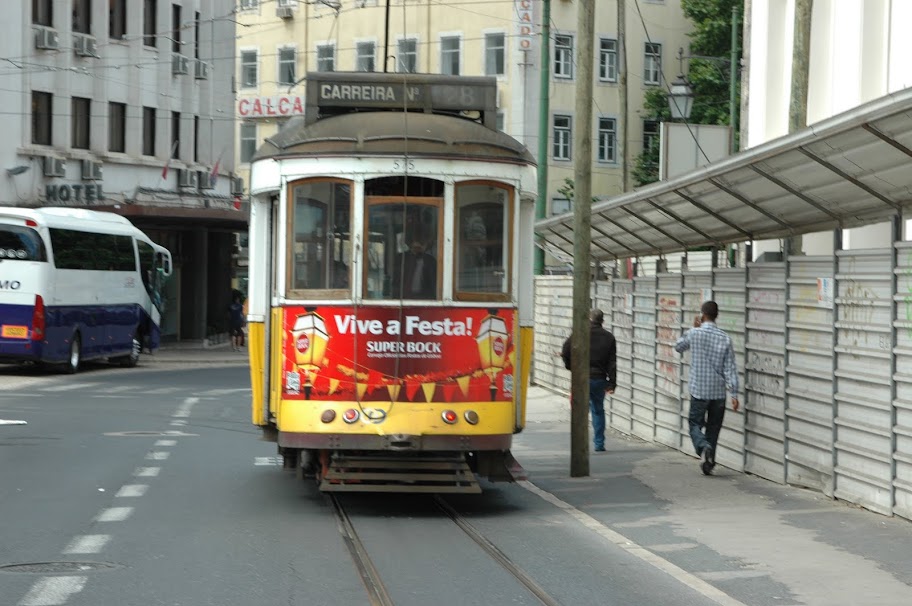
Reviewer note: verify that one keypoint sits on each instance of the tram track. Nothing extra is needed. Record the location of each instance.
(370, 576)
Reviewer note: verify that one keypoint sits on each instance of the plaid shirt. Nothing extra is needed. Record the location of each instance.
(712, 364)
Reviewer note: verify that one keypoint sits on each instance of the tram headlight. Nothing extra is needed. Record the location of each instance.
(350, 416)
(449, 417)
(471, 417)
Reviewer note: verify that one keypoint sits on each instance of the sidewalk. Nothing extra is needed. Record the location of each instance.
(759, 542)
(196, 353)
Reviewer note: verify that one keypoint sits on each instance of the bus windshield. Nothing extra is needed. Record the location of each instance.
(153, 272)
(21, 244)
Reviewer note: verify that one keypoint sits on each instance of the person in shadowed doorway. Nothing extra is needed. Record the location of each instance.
(236, 323)
(712, 370)
(602, 372)
(415, 273)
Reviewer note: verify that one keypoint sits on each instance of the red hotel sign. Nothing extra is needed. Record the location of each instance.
(279, 106)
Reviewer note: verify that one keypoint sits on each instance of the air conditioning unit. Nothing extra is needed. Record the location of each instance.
(54, 167)
(85, 46)
(187, 178)
(180, 65)
(91, 170)
(285, 12)
(202, 70)
(237, 186)
(204, 181)
(46, 38)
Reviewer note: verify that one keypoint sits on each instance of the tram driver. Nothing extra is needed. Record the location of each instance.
(415, 271)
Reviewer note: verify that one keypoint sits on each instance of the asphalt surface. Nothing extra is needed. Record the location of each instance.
(221, 523)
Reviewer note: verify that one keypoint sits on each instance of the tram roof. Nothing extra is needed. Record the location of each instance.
(394, 134)
(849, 170)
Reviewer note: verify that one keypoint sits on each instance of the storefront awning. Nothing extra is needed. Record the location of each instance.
(849, 170)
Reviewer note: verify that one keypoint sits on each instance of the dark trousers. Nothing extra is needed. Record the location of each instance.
(597, 409)
(709, 414)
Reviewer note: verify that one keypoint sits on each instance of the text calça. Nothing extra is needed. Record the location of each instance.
(350, 324)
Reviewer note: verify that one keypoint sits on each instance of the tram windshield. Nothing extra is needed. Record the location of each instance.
(322, 236)
(404, 249)
(482, 217)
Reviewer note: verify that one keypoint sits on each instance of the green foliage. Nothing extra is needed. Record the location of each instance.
(569, 190)
(711, 37)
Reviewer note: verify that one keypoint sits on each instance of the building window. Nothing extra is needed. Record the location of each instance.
(561, 135)
(246, 5)
(608, 60)
(150, 23)
(175, 135)
(407, 59)
(563, 56)
(652, 70)
(176, 28)
(148, 146)
(196, 35)
(607, 140)
(43, 12)
(501, 122)
(560, 206)
(326, 58)
(82, 16)
(365, 57)
(196, 138)
(42, 117)
(287, 65)
(117, 127)
(248, 141)
(494, 54)
(81, 122)
(449, 55)
(117, 19)
(248, 69)
(650, 134)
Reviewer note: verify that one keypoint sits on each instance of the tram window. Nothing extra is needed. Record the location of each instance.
(321, 237)
(482, 242)
(403, 251)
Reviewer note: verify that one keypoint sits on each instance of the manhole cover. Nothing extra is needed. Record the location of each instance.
(58, 567)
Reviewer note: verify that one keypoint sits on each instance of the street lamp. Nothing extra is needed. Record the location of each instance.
(680, 99)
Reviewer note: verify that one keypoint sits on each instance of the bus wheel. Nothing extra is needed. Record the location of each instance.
(72, 364)
(132, 359)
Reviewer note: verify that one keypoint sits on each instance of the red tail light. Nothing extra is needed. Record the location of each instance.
(449, 417)
(38, 319)
(350, 416)
(31, 223)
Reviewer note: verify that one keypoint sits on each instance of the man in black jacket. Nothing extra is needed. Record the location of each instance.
(602, 372)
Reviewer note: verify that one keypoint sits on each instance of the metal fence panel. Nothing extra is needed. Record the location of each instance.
(668, 402)
(620, 405)
(902, 404)
(864, 412)
(810, 369)
(553, 322)
(643, 359)
(764, 402)
(729, 294)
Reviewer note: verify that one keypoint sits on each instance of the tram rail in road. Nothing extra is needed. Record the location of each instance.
(379, 596)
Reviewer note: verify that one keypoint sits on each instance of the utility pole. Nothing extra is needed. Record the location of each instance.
(733, 80)
(745, 71)
(582, 225)
(386, 37)
(801, 51)
(544, 108)
(622, 94)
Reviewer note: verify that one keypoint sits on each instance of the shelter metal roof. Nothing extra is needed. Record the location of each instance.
(849, 170)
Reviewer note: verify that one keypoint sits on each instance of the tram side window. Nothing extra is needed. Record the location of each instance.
(321, 226)
(90, 251)
(482, 245)
(21, 244)
(403, 251)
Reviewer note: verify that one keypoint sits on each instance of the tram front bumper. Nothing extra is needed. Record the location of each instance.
(394, 442)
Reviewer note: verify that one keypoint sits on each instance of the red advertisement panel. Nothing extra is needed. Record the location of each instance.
(410, 354)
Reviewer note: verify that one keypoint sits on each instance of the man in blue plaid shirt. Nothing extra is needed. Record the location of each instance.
(712, 371)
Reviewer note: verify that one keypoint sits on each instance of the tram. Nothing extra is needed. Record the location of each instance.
(390, 293)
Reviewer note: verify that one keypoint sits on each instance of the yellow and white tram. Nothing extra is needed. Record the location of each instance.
(390, 294)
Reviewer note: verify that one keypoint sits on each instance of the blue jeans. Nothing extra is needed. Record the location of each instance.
(597, 409)
(709, 414)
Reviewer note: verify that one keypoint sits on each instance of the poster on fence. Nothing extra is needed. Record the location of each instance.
(825, 293)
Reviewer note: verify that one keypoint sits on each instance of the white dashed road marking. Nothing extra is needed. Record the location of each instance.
(114, 514)
(178, 423)
(266, 461)
(184, 409)
(12, 422)
(68, 387)
(158, 455)
(89, 543)
(53, 591)
(132, 490)
(146, 472)
(166, 442)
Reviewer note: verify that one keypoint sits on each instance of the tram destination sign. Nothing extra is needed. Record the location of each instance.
(398, 91)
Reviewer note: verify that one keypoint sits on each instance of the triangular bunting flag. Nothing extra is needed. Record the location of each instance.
(463, 383)
(393, 391)
(429, 389)
(362, 387)
(333, 385)
(449, 390)
(411, 389)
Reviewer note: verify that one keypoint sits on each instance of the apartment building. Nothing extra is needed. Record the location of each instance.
(127, 106)
(280, 41)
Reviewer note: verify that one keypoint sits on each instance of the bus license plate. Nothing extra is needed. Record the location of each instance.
(14, 332)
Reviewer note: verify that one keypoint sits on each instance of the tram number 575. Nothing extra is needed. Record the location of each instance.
(402, 164)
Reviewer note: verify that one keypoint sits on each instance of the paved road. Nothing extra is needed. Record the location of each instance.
(154, 479)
